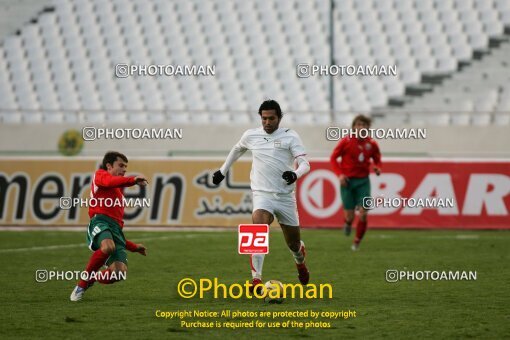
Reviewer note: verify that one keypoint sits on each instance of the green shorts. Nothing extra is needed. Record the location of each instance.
(102, 227)
(354, 192)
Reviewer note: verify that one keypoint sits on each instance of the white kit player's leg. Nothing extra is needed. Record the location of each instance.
(262, 214)
(257, 262)
(289, 220)
(298, 251)
(299, 256)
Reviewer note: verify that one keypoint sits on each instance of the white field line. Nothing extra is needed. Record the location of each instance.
(84, 230)
(84, 244)
(76, 245)
(438, 237)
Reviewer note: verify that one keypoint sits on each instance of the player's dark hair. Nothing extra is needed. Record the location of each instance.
(363, 119)
(111, 157)
(271, 105)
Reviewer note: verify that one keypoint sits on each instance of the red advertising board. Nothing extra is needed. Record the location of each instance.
(479, 190)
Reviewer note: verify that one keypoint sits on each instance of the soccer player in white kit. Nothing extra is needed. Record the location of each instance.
(273, 175)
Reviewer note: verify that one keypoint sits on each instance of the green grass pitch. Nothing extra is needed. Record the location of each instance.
(422, 309)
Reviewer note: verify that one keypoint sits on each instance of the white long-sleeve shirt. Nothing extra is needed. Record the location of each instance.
(273, 154)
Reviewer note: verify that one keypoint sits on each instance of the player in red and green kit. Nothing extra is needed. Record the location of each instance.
(104, 236)
(353, 171)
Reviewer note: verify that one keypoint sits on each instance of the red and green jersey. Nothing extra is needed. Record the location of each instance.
(356, 154)
(105, 186)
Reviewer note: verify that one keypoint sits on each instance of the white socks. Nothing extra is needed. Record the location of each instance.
(257, 261)
(299, 256)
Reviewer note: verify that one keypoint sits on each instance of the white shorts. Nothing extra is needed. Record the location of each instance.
(282, 206)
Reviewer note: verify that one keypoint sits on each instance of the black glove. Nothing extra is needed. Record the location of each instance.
(289, 176)
(217, 177)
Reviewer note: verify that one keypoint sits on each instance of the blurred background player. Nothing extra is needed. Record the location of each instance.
(104, 234)
(353, 170)
(272, 178)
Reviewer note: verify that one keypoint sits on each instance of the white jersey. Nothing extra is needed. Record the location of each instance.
(273, 154)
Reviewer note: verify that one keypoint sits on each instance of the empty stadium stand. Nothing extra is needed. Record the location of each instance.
(60, 67)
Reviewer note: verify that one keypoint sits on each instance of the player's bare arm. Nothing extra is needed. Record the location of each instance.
(136, 248)
(141, 180)
(344, 181)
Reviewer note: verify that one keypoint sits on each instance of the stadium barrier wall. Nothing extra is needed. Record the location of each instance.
(181, 193)
(460, 141)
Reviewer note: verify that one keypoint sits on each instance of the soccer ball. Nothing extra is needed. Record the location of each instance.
(274, 292)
